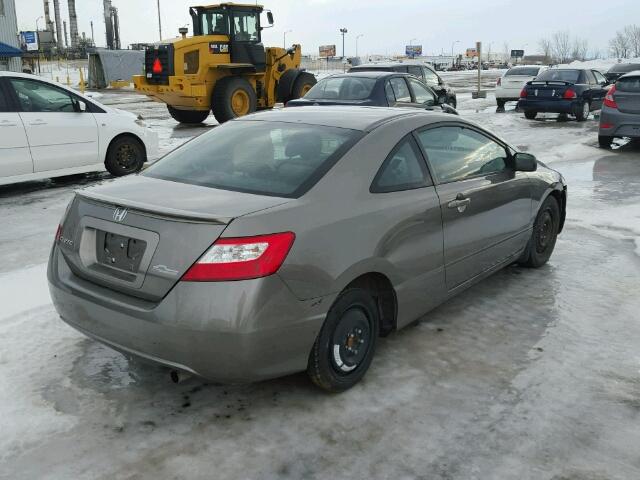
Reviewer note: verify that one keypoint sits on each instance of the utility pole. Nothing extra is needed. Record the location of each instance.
(284, 38)
(93, 38)
(343, 31)
(159, 22)
(357, 37)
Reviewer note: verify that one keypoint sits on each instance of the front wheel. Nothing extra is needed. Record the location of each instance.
(302, 85)
(501, 104)
(126, 155)
(544, 235)
(583, 112)
(346, 343)
(188, 116)
(530, 114)
(233, 97)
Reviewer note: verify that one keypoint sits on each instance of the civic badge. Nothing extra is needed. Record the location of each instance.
(119, 214)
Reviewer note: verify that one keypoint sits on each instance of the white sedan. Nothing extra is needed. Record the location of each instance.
(49, 130)
(509, 86)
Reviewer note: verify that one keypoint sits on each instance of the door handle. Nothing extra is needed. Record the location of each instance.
(38, 122)
(461, 202)
(7, 123)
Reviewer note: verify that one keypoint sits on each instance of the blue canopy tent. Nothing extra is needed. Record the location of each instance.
(9, 51)
(8, 56)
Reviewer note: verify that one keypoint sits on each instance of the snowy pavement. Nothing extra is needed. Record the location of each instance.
(532, 374)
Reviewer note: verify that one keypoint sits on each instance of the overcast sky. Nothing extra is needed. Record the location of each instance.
(386, 25)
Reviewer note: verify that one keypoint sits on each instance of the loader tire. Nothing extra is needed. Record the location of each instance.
(302, 85)
(188, 116)
(233, 97)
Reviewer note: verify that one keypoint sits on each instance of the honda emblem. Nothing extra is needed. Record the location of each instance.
(119, 214)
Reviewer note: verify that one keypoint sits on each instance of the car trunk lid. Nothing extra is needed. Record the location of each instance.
(515, 81)
(627, 95)
(139, 235)
(547, 90)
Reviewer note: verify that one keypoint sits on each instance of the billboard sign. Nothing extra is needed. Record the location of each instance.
(413, 50)
(471, 52)
(29, 41)
(517, 53)
(327, 51)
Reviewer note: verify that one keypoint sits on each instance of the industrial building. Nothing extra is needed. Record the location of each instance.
(10, 52)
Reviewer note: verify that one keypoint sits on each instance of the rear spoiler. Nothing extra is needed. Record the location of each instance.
(550, 82)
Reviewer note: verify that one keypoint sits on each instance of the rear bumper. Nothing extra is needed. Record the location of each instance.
(614, 123)
(182, 91)
(550, 106)
(229, 332)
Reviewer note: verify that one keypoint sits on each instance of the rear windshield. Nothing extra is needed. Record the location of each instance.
(265, 158)
(624, 67)
(342, 88)
(560, 75)
(629, 84)
(527, 71)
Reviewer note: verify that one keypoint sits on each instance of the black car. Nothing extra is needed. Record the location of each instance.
(377, 89)
(567, 91)
(424, 72)
(620, 69)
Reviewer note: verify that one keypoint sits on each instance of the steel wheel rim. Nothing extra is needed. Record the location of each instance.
(351, 340)
(126, 157)
(305, 89)
(544, 231)
(240, 102)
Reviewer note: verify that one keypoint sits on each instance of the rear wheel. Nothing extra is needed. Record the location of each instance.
(583, 112)
(605, 141)
(346, 343)
(126, 155)
(188, 116)
(500, 104)
(530, 114)
(302, 85)
(544, 235)
(233, 97)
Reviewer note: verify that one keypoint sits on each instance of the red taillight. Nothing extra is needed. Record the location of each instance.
(499, 82)
(157, 66)
(523, 93)
(609, 100)
(569, 94)
(606, 126)
(58, 233)
(241, 258)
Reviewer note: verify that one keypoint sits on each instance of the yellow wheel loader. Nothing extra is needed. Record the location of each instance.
(223, 67)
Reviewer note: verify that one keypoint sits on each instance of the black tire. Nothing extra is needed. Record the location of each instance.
(346, 343)
(544, 235)
(582, 113)
(452, 102)
(500, 104)
(302, 85)
(530, 114)
(188, 116)
(126, 155)
(223, 94)
(605, 141)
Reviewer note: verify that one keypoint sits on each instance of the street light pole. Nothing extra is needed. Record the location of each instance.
(159, 22)
(452, 57)
(357, 37)
(343, 31)
(284, 38)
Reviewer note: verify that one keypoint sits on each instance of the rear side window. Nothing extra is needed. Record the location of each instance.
(560, 75)
(457, 153)
(4, 103)
(599, 77)
(400, 90)
(524, 71)
(265, 158)
(416, 71)
(589, 77)
(629, 84)
(403, 169)
(342, 88)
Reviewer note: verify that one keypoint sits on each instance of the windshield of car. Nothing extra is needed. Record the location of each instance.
(624, 67)
(559, 75)
(342, 88)
(628, 84)
(266, 158)
(525, 71)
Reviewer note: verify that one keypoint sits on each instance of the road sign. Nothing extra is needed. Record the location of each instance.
(29, 41)
(413, 50)
(517, 53)
(327, 51)
(471, 52)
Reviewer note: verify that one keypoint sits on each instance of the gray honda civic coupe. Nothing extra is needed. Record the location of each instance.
(292, 239)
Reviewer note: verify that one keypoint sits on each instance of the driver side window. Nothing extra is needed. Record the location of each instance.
(37, 96)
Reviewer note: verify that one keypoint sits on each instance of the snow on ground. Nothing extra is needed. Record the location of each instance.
(532, 374)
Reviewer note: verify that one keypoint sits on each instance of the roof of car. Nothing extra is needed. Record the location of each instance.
(385, 65)
(354, 118)
(634, 73)
(371, 74)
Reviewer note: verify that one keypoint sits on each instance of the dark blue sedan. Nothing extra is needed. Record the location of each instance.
(378, 89)
(565, 91)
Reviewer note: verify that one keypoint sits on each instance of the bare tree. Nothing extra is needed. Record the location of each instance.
(545, 47)
(632, 33)
(595, 54)
(561, 45)
(579, 49)
(619, 45)
(507, 52)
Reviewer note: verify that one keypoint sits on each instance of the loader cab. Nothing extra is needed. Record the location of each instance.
(241, 24)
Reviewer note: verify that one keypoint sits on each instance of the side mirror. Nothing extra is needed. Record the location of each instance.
(82, 107)
(525, 162)
(270, 18)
